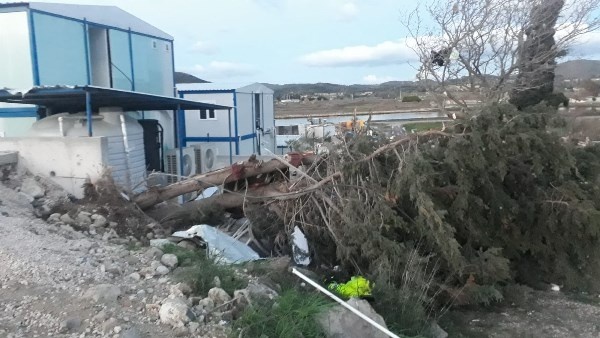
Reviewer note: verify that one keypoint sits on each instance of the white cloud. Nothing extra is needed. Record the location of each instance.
(204, 47)
(216, 70)
(374, 79)
(586, 45)
(348, 11)
(385, 53)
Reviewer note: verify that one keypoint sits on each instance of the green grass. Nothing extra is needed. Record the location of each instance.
(292, 315)
(199, 271)
(422, 126)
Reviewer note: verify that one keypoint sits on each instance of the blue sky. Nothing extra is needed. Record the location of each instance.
(283, 41)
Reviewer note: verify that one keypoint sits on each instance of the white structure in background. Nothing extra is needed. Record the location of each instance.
(315, 128)
(249, 129)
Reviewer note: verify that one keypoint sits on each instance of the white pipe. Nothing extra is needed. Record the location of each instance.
(126, 146)
(60, 126)
(344, 304)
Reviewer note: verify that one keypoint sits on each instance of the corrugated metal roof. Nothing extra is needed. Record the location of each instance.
(239, 87)
(104, 15)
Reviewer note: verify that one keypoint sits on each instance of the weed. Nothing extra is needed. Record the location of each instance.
(199, 271)
(292, 315)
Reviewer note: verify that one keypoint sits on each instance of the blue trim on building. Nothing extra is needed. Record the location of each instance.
(247, 137)
(18, 112)
(131, 60)
(96, 24)
(33, 47)
(86, 42)
(211, 139)
(206, 91)
(235, 121)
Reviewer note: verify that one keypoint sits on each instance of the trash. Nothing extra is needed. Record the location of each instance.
(358, 287)
(300, 247)
(223, 247)
(208, 192)
(554, 287)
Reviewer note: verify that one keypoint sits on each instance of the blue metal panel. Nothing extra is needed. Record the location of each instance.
(247, 137)
(34, 58)
(96, 24)
(86, 42)
(208, 91)
(18, 112)
(235, 121)
(131, 61)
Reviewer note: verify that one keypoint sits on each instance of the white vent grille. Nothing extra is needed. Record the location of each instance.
(171, 168)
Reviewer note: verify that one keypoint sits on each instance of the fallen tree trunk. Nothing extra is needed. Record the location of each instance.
(233, 173)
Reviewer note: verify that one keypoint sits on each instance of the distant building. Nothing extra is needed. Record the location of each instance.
(249, 130)
(48, 44)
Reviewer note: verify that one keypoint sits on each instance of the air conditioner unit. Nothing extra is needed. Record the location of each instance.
(172, 161)
(205, 157)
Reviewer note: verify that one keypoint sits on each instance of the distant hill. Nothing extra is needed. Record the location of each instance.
(579, 69)
(385, 90)
(181, 77)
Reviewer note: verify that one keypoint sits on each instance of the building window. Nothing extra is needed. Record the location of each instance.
(206, 114)
(287, 130)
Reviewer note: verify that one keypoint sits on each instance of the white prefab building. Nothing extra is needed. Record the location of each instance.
(248, 129)
(50, 44)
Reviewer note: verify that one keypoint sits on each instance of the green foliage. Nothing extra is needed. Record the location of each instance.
(503, 199)
(199, 271)
(292, 315)
(411, 98)
(422, 126)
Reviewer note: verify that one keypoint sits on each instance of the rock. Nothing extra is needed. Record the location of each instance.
(132, 332)
(162, 270)
(32, 188)
(242, 299)
(206, 304)
(117, 329)
(193, 327)
(103, 293)
(67, 219)
(99, 220)
(435, 331)
(150, 235)
(100, 316)
(217, 282)
(159, 243)
(260, 291)
(189, 245)
(54, 218)
(153, 253)
(181, 288)
(340, 322)
(218, 296)
(83, 218)
(70, 325)
(175, 312)
(169, 260)
(109, 325)
(135, 277)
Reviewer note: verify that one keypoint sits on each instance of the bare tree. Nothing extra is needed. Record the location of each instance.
(481, 47)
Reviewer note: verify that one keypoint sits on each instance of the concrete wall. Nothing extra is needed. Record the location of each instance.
(66, 161)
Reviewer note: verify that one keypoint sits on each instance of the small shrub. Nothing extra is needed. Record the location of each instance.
(199, 271)
(411, 98)
(292, 315)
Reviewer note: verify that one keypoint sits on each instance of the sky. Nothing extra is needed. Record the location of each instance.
(285, 41)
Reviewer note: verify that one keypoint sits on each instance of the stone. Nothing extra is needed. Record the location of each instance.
(435, 331)
(100, 316)
(109, 325)
(162, 270)
(99, 220)
(67, 219)
(70, 325)
(175, 312)
(218, 296)
(32, 188)
(54, 218)
(134, 277)
(83, 218)
(159, 243)
(206, 304)
(169, 260)
(153, 253)
(103, 293)
(181, 288)
(131, 332)
(260, 291)
(188, 245)
(150, 235)
(193, 327)
(117, 329)
(339, 322)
